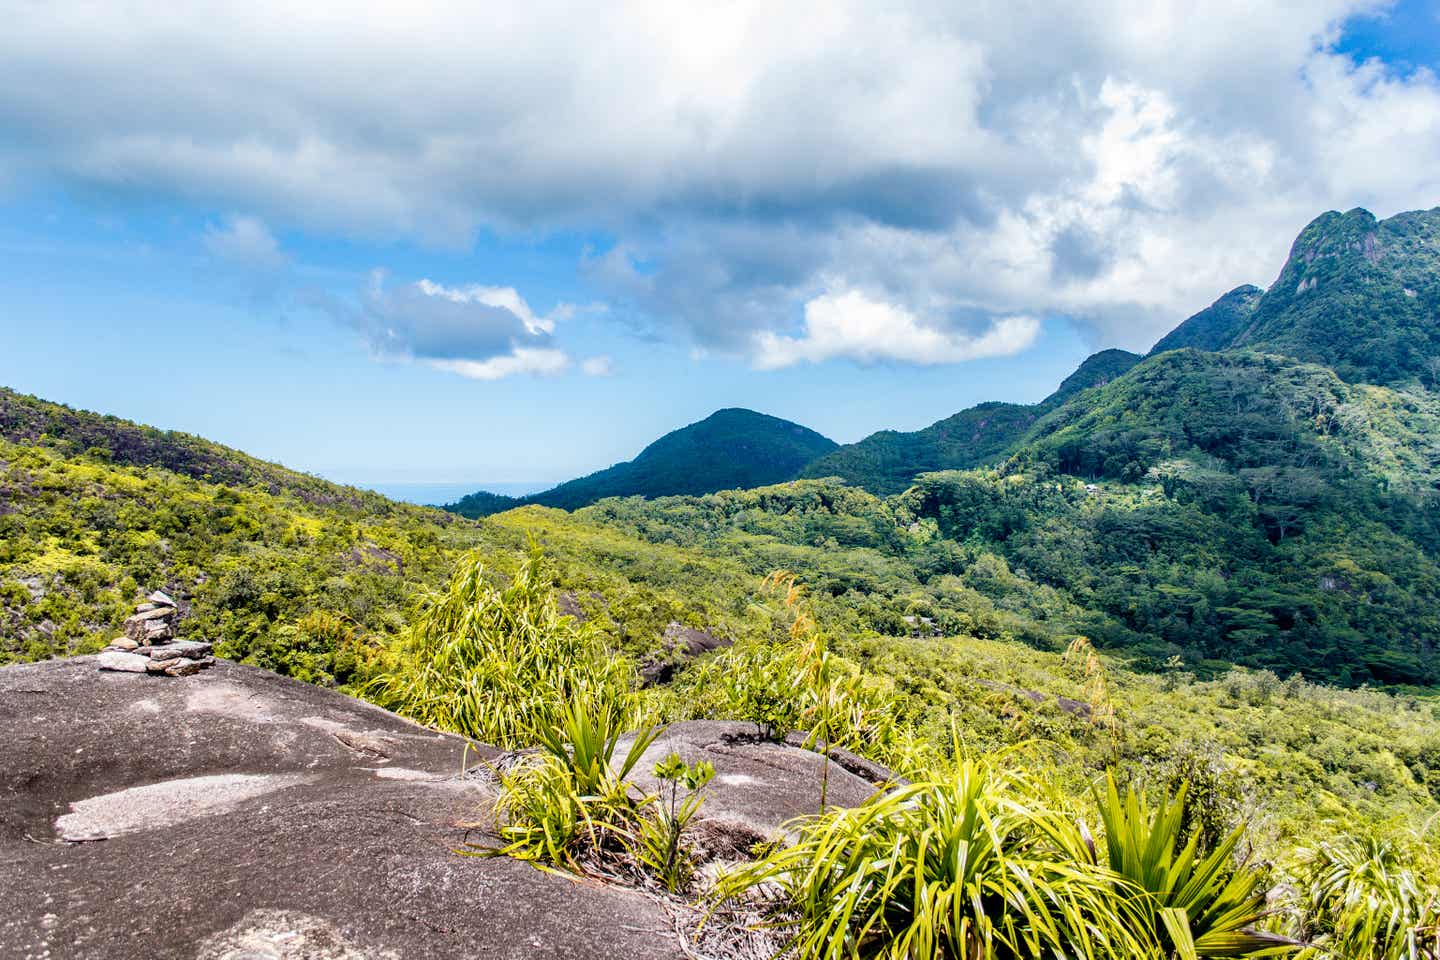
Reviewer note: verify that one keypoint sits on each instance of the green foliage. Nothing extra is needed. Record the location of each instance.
(497, 663)
(1366, 898)
(662, 834)
(967, 863)
(571, 805)
(1197, 905)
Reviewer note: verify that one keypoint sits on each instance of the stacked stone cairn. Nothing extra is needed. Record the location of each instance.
(149, 644)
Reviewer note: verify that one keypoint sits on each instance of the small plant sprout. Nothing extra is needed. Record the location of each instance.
(662, 834)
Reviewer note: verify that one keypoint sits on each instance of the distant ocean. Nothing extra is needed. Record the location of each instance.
(438, 494)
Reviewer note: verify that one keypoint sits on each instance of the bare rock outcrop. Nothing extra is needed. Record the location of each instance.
(239, 813)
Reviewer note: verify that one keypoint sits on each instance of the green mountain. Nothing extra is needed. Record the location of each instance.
(29, 420)
(1216, 327)
(1358, 295)
(887, 462)
(730, 449)
(1097, 370)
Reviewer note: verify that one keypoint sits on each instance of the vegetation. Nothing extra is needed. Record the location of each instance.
(498, 664)
(1358, 295)
(1372, 899)
(888, 462)
(728, 449)
(1217, 327)
(1095, 634)
(572, 805)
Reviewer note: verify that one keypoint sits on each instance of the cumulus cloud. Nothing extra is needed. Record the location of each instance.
(484, 333)
(854, 326)
(1115, 164)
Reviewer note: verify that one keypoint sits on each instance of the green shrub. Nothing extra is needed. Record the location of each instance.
(662, 833)
(501, 663)
(571, 804)
(964, 864)
(1196, 906)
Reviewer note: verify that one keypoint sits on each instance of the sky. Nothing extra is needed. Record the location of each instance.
(402, 244)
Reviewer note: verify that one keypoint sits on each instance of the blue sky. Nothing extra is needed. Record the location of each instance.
(426, 248)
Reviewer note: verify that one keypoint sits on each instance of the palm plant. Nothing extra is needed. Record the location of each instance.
(960, 865)
(1370, 899)
(1194, 906)
(572, 801)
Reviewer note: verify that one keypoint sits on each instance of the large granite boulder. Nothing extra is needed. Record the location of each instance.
(237, 814)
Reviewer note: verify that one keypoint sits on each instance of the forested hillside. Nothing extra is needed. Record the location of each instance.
(730, 449)
(888, 462)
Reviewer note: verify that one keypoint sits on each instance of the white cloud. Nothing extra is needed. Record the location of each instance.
(484, 333)
(503, 298)
(245, 241)
(1122, 164)
(854, 326)
(520, 360)
(601, 366)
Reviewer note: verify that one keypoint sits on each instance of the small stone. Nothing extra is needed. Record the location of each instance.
(193, 649)
(122, 644)
(146, 607)
(137, 624)
(123, 662)
(157, 631)
(154, 613)
(156, 666)
(182, 667)
(162, 598)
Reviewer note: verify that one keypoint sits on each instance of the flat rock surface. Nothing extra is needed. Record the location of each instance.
(250, 816)
(758, 784)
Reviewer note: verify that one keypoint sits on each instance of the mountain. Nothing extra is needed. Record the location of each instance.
(30, 420)
(1097, 370)
(1216, 327)
(1356, 294)
(887, 462)
(730, 449)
